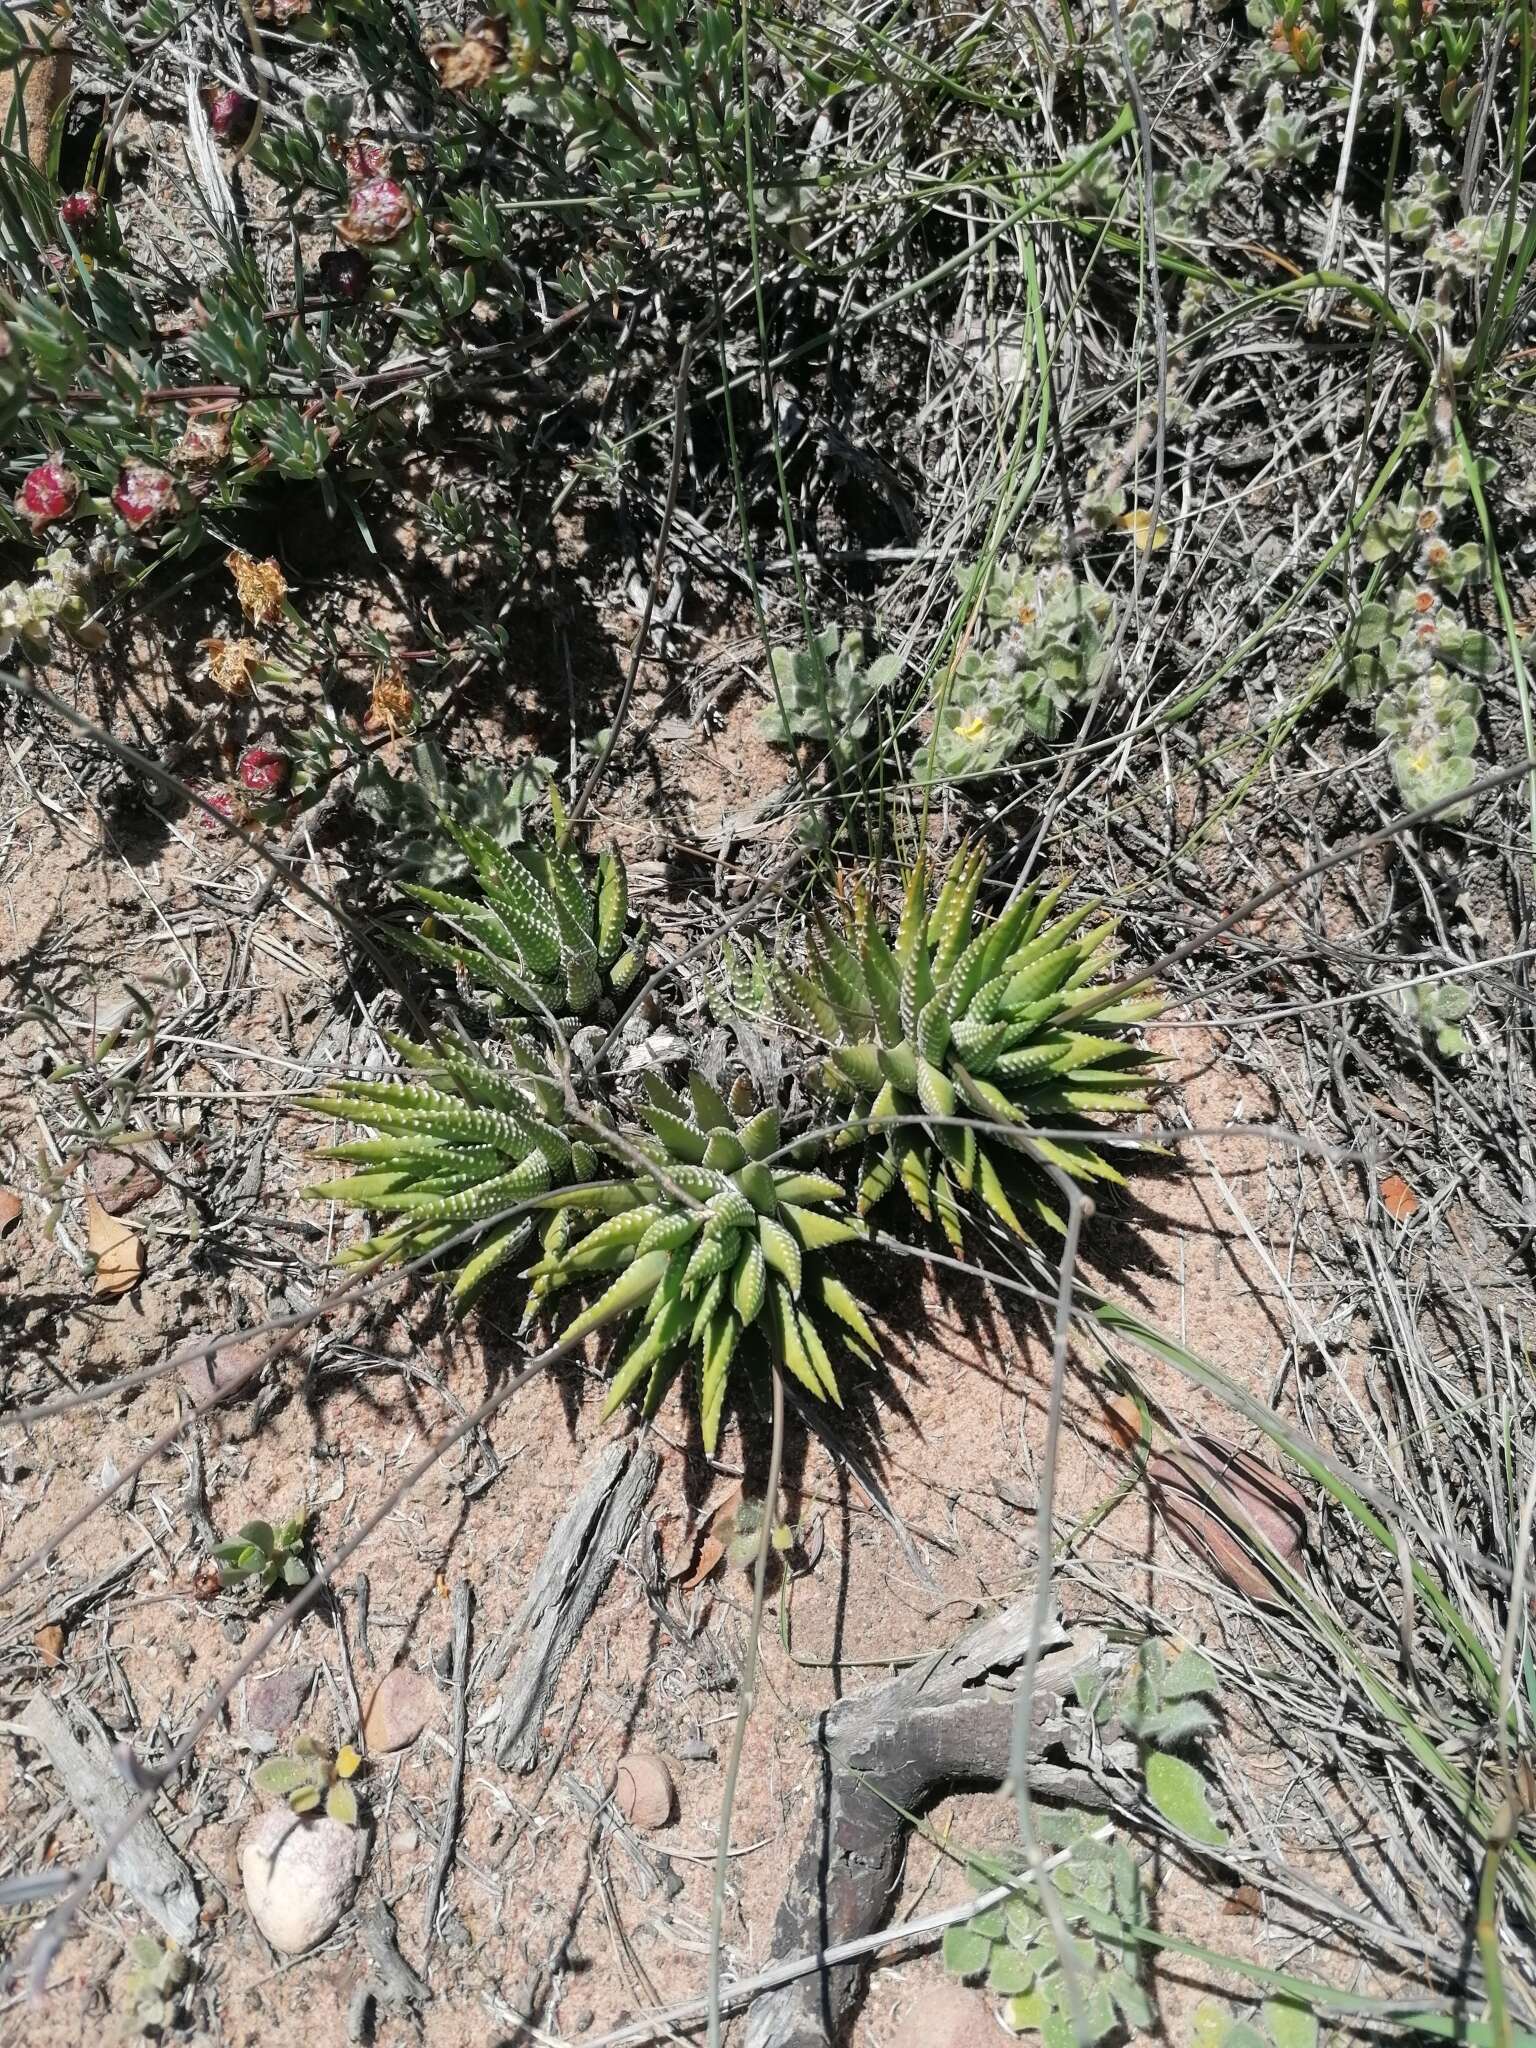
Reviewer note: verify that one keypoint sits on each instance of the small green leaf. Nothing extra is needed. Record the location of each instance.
(1190, 1676)
(280, 1776)
(1211, 2023)
(1178, 1792)
(1009, 1972)
(1290, 2025)
(341, 1804)
(965, 1954)
(1134, 2004)
(1027, 2015)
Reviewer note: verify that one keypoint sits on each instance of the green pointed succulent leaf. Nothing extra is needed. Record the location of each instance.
(1009, 1018)
(709, 1251)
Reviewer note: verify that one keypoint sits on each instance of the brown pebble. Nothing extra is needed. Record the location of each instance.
(210, 1377)
(643, 1791)
(947, 2016)
(121, 1180)
(273, 1700)
(398, 1708)
(50, 1644)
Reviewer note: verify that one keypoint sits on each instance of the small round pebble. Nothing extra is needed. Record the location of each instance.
(643, 1791)
(398, 1708)
(948, 2016)
(299, 1876)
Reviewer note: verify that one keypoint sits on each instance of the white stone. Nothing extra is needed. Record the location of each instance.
(299, 1876)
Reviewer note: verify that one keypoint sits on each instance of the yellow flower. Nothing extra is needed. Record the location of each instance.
(971, 728)
(260, 586)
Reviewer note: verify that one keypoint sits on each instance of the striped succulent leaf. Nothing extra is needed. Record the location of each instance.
(717, 1252)
(458, 1141)
(548, 933)
(957, 1017)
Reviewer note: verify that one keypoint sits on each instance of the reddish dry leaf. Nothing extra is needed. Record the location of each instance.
(1397, 1198)
(1210, 1493)
(1122, 1418)
(10, 1209)
(1245, 1901)
(714, 1540)
(49, 1643)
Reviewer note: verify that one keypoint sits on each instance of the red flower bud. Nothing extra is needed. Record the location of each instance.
(230, 114)
(345, 274)
(366, 159)
(220, 800)
(379, 211)
(80, 211)
(141, 494)
(48, 493)
(263, 772)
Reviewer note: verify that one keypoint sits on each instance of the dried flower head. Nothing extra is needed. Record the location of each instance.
(232, 664)
(141, 494)
(365, 158)
(260, 586)
(1436, 556)
(392, 705)
(379, 210)
(281, 12)
(204, 441)
(464, 63)
(47, 493)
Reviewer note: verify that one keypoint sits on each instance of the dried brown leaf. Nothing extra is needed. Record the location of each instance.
(1210, 1493)
(118, 1253)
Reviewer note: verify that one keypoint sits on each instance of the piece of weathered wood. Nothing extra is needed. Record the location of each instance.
(881, 1754)
(32, 89)
(587, 1542)
(143, 1863)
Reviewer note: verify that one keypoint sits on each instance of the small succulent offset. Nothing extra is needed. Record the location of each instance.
(547, 937)
(269, 1556)
(311, 1781)
(153, 1986)
(824, 692)
(1438, 1007)
(1285, 137)
(1162, 1705)
(409, 810)
(1071, 2000)
(1279, 2023)
(457, 1144)
(719, 1242)
(1433, 717)
(956, 1019)
(1413, 212)
(1040, 645)
(1397, 643)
